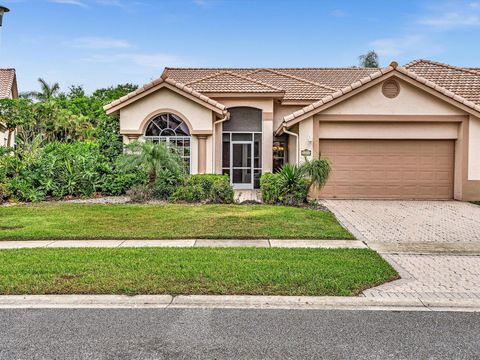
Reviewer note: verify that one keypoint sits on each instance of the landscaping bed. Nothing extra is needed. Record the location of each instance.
(248, 271)
(166, 221)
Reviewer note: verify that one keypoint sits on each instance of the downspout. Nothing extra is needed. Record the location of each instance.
(296, 142)
(219, 121)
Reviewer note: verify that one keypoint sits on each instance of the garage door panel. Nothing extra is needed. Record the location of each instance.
(402, 169)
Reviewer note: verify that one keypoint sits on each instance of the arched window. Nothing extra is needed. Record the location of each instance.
(171, 129)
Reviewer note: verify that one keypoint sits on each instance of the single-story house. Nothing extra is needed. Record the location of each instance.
(8, 89)
(401, 132)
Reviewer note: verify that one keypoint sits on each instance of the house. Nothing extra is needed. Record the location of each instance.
(8, 89)
(401, 132)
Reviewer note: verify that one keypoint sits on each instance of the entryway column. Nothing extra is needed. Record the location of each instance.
(132, 137)
(202, 154)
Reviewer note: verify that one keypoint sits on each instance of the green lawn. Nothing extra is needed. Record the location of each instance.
(170, 221)
(315, 272)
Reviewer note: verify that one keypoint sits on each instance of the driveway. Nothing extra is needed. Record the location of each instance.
(389, 221)
(434, 245)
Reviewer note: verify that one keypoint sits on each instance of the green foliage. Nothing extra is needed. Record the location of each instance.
(152, 158)
(210, 188)
(166, 183)
(15, 113)
(46, 92)
(270, 188)
(317, 171)
(287, 187)
(369, 60)
(62, 170)
(291, 185)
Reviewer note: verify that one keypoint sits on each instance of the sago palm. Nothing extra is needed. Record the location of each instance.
(153, 158)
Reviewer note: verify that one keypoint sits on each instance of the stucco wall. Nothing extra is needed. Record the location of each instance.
(474, 149)
(394, 130)
(280, 111)
(410, 101)
(134, 116)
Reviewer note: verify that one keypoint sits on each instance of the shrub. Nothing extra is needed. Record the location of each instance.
(287, 187)
(166, 183)
(270, 188)
(211, 188)
(139, 193)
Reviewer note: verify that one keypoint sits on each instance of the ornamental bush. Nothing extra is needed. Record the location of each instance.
(284, 188)
(58, 170)
(210, 188)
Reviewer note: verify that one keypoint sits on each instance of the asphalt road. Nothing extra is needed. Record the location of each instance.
(237, 334)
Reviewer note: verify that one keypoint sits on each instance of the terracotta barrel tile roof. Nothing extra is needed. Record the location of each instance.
(230, 82)
(464, 82)
(295, 88)
(7, 82)
(303, 84)
(172, 82)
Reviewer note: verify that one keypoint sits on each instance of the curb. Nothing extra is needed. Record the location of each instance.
(186, 243)
(232, 302)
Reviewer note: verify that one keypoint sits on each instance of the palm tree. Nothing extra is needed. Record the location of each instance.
(47, 91)
(154, 158)
(316, 171)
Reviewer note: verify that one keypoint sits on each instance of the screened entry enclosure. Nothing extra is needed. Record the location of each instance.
(172, 130)
(242, 147)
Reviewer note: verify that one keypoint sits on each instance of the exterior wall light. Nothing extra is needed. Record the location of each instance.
(3, 11)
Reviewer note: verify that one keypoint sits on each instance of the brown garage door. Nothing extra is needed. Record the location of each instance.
(393, 169)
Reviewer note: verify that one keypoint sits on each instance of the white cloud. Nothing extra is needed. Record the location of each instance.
(99, 43)
(69, 2)
(339, 13)
(142, 60)
(452, 20)
(409, 46)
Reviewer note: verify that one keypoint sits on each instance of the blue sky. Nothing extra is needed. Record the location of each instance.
(97, 43)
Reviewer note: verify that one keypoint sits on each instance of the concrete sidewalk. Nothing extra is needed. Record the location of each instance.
(232, 302)
(269, 243)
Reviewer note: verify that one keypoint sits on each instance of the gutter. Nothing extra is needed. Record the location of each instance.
(296, 142)
(219, 121)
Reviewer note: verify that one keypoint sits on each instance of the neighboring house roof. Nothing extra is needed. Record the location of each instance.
(345, 92)
(158, 84)
(462, 81)
(8, 83)
(230, 82)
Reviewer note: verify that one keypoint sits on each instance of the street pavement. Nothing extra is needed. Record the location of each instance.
(236, 334)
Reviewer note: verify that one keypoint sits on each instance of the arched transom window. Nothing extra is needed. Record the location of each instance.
(171, 129)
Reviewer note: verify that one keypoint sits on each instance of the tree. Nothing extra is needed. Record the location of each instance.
(47, 91)
(15, 113)
(316, 171)
(154, 158)
(369, 60)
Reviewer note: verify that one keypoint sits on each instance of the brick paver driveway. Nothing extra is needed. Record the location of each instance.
(409, 221)
(434, 245)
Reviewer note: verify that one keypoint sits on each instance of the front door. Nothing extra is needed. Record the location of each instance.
(241, 164)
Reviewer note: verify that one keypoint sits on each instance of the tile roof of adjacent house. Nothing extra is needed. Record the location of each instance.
(462, 81)
(405, 71)
(162, 80)
(8, 82)
(231, 82)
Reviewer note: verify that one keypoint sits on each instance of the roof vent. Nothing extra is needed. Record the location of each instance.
(391, 89)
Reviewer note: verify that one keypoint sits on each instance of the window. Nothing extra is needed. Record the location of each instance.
(169, 128)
